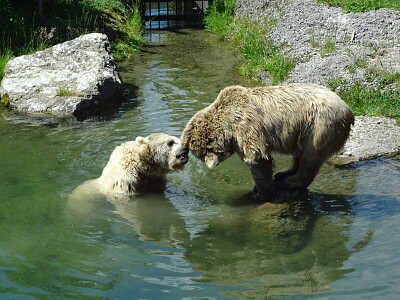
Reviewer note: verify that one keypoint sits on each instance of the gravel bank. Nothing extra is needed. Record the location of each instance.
(305, 26)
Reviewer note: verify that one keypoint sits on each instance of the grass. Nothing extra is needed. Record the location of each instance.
(21, 33)
(258, 51)
(328, 47)
(369, 101)
(220, 18)
(363, 5)
(5, 56)
(5, 100)
(132, 39)
(64, 92)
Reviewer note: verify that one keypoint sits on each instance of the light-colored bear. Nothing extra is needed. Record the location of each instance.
(135, 167)
(307, 121)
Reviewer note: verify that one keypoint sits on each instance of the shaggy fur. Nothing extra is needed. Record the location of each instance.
(138, 166)
(307, 121)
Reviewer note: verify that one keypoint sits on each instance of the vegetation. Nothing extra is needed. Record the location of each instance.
(5, 100)
(327, 47)
(64, 92)
(363, 5)
(220, 18)
(371, 101)
(251, 39)
(25, 29)
(260, 54)
(5, 56)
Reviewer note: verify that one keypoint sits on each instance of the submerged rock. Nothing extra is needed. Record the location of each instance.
(72, 78)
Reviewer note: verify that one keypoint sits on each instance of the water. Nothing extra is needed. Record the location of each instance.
(201, 239)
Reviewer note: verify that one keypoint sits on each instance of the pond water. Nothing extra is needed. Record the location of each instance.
(202, 238)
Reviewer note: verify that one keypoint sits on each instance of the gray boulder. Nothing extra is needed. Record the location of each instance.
(72, 78)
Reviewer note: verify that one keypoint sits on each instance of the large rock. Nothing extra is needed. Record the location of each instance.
(72, 78)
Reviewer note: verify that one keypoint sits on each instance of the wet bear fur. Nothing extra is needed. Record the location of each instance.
(137, 166)
(307, 121)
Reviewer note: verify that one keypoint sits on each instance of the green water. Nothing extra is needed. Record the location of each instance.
(201, 239)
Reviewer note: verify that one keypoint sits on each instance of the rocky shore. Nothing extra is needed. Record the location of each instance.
(361, 42)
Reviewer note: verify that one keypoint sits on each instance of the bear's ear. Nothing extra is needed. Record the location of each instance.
(186, 134)
(211, 160)
(141, 140)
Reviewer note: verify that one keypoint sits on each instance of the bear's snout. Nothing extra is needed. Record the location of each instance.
(183, 156)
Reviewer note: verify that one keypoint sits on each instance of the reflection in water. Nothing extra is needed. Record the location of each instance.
(273, 249)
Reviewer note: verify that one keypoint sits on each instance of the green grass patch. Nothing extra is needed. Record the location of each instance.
(362, 64)
(5, 56)
(389, 79)
(369, 101)
(327, 47)
(5, 100)
(130, 42)
(220, 18)
(64, 92)
(363, 5)
(251, 39)
(259, 52)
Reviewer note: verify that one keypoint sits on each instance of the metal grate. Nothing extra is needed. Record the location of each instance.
(174, 14)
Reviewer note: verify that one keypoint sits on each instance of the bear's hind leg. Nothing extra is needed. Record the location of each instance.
(309, 165)
(293, 169)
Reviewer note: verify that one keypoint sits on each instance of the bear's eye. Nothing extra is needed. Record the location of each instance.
(170, 143)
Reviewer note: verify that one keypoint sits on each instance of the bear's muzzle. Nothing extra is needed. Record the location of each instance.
(183, 156)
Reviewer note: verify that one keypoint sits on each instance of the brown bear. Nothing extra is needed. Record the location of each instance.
(307, 121)
(137, 166)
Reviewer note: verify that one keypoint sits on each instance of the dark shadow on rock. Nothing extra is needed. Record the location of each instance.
(93, 113)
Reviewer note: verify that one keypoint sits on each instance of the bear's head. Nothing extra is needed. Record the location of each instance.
(208, 138)
(165, 152)
(135, 164)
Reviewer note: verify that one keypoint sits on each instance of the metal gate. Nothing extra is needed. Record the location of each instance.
(173, 13)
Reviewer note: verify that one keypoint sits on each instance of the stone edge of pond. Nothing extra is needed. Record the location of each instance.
(370, 138)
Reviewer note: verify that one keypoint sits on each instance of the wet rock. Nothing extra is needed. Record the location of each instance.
(72, 78)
